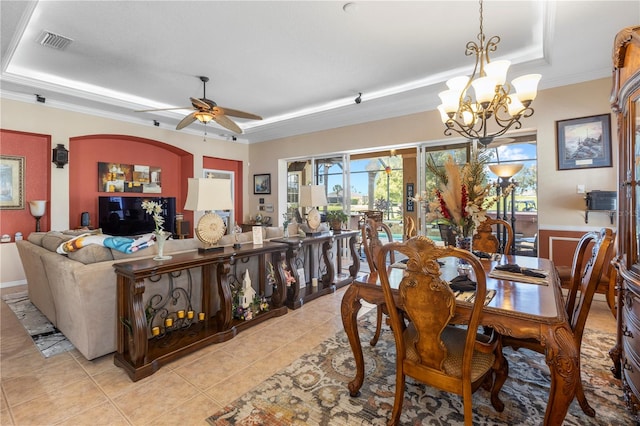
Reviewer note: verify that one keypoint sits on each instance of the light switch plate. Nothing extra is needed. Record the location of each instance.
(580, 189)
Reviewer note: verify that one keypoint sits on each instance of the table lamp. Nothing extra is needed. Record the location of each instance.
(37, 209)
(312, 196)
(209, 195)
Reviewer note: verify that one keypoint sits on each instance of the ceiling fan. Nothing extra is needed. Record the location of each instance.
(207, 110)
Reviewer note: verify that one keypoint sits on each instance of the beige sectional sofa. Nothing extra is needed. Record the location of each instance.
(77, 291)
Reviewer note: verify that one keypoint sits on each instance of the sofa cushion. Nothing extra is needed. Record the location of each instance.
(273, 232)
(36, 238)
(52, 240)
(92, 253)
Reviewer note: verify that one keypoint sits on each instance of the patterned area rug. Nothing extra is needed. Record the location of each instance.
(46, 337)
(313, 390)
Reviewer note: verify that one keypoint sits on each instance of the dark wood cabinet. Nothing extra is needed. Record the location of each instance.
(626, 104)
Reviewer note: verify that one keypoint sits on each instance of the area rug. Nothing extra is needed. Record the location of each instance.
(313, 390)
(48, 339)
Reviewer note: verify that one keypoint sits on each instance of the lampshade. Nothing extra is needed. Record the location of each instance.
(37, 207)
(208, 194)
(506, 170)
(312, 196)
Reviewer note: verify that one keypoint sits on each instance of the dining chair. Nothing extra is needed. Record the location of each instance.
(409, 227)
(589, 261)
(451, 358)
(485, 240)
(372, 244)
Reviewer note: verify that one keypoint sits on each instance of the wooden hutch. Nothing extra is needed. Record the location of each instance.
(625, 102)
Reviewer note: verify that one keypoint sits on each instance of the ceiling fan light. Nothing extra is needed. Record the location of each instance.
(526, 87)
(203, 116)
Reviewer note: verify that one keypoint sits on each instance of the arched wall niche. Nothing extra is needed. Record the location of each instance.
(85, 152)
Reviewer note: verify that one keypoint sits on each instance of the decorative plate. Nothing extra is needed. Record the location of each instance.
(210, 228)
(313, 219)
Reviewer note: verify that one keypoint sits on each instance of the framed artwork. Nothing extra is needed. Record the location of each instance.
(116, 177)
(11, 182)
(584, 143)
(262, 184)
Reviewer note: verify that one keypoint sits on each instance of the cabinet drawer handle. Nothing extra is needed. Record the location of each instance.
(627, 366)
(626, 332)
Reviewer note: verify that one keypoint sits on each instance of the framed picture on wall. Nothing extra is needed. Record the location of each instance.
(584, 143)
(11, 182)
(262, 184)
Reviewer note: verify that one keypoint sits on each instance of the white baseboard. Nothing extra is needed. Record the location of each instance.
(12, 283)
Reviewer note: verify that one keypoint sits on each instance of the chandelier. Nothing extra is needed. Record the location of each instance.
(470, 117)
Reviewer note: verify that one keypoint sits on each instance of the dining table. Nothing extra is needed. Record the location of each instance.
(527, 310)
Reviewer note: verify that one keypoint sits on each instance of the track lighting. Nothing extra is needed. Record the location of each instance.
(40, 99)
(156, 123)
(359, 98)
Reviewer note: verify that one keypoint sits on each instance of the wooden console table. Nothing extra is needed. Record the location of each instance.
(302, 252)
(142, 349)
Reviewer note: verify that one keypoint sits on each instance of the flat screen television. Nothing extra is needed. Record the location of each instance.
(124, 216)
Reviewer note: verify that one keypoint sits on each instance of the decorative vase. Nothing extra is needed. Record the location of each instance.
(463, 243)
(161, 237)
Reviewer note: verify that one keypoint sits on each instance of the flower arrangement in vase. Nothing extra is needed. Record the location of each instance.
(155, 209)
(461, 197)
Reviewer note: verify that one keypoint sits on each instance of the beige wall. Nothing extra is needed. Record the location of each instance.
(559, 205)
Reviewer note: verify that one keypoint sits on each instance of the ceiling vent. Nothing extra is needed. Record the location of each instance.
(53, 40)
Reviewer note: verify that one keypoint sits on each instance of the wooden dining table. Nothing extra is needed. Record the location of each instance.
(518, 309)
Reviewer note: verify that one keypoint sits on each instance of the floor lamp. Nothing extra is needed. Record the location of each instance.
(505, 171)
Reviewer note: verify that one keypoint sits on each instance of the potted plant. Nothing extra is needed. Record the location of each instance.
(336, 218)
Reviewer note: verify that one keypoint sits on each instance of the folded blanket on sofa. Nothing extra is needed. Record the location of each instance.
(122, 244)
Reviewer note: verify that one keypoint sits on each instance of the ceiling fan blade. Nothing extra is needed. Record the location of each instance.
(163, 109)
(186, 121)
(199, 103)
(225, 121)
(238, 113)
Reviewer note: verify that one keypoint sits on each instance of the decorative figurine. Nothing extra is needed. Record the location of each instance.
(237, 230)
(248, 293)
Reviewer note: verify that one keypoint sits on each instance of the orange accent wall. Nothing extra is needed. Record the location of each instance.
(87, 151)
(230, 166)
(36, 149)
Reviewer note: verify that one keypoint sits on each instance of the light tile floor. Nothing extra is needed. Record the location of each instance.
(69, 390)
